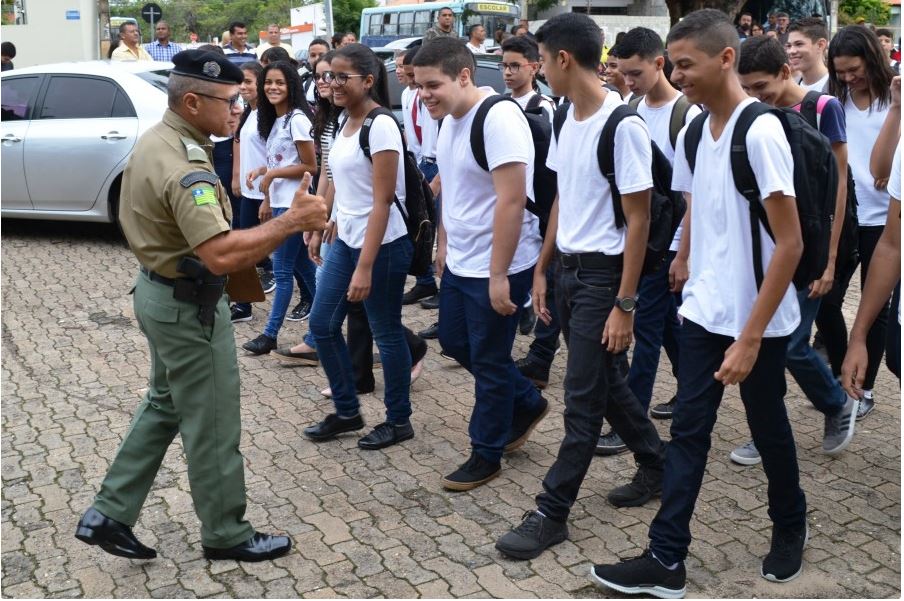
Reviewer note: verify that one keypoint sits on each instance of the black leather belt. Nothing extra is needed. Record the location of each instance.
(590, 261)
(156, 277)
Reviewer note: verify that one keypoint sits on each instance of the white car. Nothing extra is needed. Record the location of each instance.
(68, 132)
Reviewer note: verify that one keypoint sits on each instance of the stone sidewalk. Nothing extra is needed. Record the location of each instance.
(371, 524)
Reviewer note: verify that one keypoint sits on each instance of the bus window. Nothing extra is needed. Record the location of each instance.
(391, 24)
(421, 22)
(406, 23)
(376, 25)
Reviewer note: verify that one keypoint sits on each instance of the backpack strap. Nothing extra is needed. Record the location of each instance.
(692, 138)
(558, 120)
(364, 142)
(635, 101)
(534, 102)
(477, 138)
(809, 108)
(679, 116)
(605, 156)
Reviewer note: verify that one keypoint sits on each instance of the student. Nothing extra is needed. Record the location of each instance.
(370, 257)
(808, 39)
(731, 334)
(887, 39)
(486, 250)
(519, 66)
(284, 119)
(596, 293)
(859, 75)
(316, 50)
(766, 75)
(613, 78)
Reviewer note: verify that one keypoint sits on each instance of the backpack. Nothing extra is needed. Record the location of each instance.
(815, 185)
(667, 207)
(534, 103)
(540, 131)
(419, 211)
(676, 121)
(849, 242)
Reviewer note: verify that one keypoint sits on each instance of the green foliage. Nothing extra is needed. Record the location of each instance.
(876, 12)
(347, 14)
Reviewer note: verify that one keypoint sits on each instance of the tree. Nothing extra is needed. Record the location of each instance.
(347, 14)
(679, 8)
(876, 12)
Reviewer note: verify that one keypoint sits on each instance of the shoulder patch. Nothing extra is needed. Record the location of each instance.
(204, 195)
(194, 151)
(196, 177)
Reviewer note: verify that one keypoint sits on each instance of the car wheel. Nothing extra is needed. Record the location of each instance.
(113, 204)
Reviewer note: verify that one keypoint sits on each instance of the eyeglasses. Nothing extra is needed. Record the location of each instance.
(513, 67)
(233, 101)
(339, 78)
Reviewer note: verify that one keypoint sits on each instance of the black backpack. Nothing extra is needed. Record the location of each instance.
(815, 185)
(419, 211)
(677, 118)
(666, 206)
(540, 132)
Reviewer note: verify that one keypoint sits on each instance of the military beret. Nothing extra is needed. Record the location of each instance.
(209, 66)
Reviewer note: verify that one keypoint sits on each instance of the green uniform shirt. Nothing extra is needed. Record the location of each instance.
(172, 200)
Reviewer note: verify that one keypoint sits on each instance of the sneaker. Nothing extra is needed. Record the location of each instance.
(385, 435)
(785, 559)
(664, 410)
(746, 454)
(268, 282)
(867, 404)
(333, 425)
(839, 429)
(533, 372)
(642, 575)
(286, 355)
(472, 473)
(610, 444)
(300, 312)
(447, 356)
(646, 484)
(432, 303)
(238, 314)
(431, 333)
(418, 292)
(532, 536)
(261, 345)
(523, 425)
(527, 320)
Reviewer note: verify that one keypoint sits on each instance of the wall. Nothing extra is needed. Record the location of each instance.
(48, 37)
(612, 24)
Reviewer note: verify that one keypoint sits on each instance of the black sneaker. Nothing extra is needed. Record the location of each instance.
(533, 372)
(532, 536)
(288, 357)
(261, 345)
(431, 333)
(610, 443)
(642, 575)
(664, 410)
(527, 320)
(472, 473)
(523, 425)
(385, 435)
(432, 303)
(646, 484)
(300, 312)
(785, 558)
(333, 425)
(237, 314)
(268, 282)
(418, 292)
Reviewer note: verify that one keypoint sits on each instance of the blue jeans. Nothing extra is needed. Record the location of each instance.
(429, 170)
(222, 165)
(384, 313)
(283, 267)
(481, 340)
(305, 274)
(546, 337)
(699, 396)
(318, 274)
(248, 219)
(809, 370)
(656, 326)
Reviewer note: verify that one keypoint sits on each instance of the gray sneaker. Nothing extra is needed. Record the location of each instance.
(839, 429)
(746, 454)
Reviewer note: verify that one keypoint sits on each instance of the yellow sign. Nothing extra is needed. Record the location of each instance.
(485, 7)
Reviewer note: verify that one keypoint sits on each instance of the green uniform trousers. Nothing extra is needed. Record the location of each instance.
(194, 391)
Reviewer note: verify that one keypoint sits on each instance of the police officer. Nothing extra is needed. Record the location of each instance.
(176, 216)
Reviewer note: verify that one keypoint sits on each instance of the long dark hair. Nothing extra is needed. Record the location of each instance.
(327, 112)
(266, 112)
(861, 42)
(256, 68)
(365, 62)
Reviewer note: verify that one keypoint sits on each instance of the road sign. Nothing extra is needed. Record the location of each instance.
(151, 13)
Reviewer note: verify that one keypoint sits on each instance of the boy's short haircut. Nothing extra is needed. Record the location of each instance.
(522, 45)
(450, 55)
(814, 28)
(779, 15)
(236, 25)
(409, 55)
(471, 29)
(319, 42)
(642, 42)
(710, 29)
(885, 33)
(762, 54)
(440, 11)
(614, 52)
(574, 33)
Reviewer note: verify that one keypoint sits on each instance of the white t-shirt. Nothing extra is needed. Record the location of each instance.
(586, 213)
(353, 178)
(658, 121)
(820, 85)
(894, 180)
(429, 132)
(721, 291)
(482, 49)
(252, 155)
(469, 198)
(281, 152)
(548, 107)
(862, 130)
(409, 97)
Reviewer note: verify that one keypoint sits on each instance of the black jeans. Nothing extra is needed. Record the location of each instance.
(699, 396)
(595, 388)
(360, 342)
(546, 337)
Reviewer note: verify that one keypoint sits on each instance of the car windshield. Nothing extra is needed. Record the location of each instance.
(158, 79)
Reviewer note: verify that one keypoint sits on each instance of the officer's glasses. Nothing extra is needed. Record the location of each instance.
(513, 67)
(232, 100)
(340, 78)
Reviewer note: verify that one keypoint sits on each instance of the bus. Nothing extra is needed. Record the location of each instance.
(382, 25)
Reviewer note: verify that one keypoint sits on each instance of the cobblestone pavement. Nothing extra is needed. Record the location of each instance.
(369, 524)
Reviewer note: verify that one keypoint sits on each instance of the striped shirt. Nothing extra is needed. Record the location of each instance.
(326, 140)
(159, 52)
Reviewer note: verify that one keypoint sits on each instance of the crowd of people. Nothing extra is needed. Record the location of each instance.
(726, 301)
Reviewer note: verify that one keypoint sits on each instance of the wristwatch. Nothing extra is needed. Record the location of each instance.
(628, 305)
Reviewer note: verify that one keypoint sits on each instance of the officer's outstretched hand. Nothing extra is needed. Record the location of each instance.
(308, 212)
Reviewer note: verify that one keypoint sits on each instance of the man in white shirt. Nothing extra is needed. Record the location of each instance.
(487, 247)
(733, 332)
(274, 39)
(477, 35)
(808, 39)
(599, 267)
